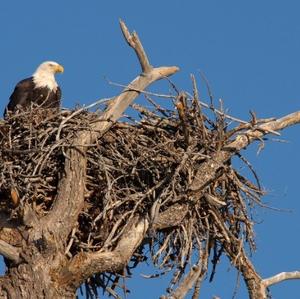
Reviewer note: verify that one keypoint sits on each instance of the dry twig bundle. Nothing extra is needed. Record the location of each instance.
(137, 168)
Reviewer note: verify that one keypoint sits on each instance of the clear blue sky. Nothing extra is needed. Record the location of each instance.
(249, 51)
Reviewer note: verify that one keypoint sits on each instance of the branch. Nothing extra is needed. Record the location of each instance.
(187, 283)
(208, 170)
(84, 265)
(257, 132)
(9, 251)
(70, 197)
(243, 264)
(120, 103)
(194, 277)
(171, 217)
(134, 42)
(281, 277)
(207, 173)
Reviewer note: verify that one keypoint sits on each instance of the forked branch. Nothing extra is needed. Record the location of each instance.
(84, 265)
(134, 42)
(70, 198)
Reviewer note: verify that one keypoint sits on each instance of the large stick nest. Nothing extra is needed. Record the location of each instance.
(139, 167)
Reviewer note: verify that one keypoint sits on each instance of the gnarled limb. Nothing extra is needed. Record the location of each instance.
(68, 204)
(84, 265)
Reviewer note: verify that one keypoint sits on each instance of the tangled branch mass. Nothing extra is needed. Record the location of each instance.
(139, 168)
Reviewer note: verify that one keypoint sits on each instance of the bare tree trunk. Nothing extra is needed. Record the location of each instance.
(32, 281)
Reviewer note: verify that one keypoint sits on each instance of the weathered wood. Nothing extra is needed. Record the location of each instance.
(84, 265)
(9, 251)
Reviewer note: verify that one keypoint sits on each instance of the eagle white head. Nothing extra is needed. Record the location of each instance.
(44, 74)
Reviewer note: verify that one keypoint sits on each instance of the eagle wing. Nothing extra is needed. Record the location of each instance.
(20, 95)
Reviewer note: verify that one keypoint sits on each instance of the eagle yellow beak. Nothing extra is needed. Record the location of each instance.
(59, 68)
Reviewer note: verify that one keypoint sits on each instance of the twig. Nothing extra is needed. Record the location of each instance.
(134, 42)
(76, 112)
(146, 92)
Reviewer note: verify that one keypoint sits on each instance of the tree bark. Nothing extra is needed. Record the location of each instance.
(32, 281)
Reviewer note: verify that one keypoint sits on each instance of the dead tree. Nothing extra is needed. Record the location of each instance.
(83, 194)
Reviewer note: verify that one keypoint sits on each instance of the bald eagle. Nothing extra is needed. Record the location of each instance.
(41, 89)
